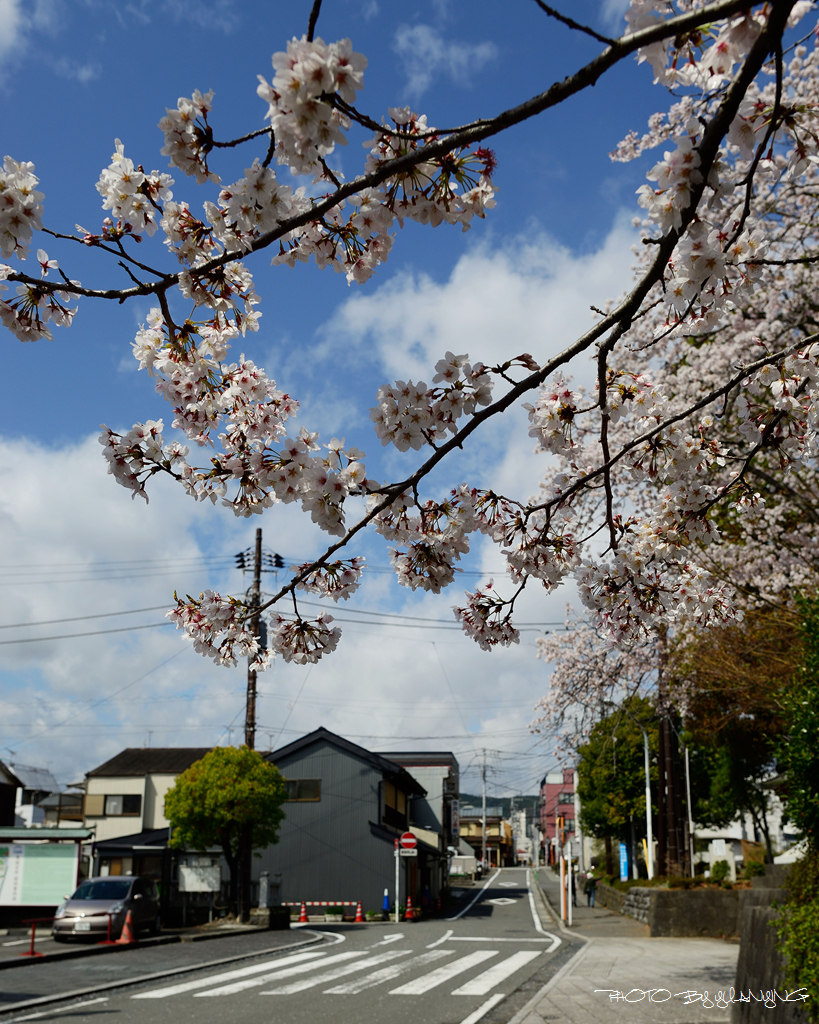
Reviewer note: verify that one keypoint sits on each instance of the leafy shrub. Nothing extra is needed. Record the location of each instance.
(720, 870)
(680, 882)
(754, 868)
(798, 929)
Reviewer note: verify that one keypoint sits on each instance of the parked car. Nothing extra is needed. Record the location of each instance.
(87, 912)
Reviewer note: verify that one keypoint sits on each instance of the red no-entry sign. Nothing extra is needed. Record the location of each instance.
(408, 841)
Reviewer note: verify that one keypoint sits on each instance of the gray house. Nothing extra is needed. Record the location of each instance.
(346, 809)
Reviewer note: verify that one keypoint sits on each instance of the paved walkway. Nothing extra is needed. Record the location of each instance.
(623, 975)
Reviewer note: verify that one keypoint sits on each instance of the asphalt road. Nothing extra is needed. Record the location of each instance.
(484, 963)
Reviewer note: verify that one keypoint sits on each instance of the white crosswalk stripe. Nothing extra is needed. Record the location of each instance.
(240, 972)
(337, 972)
(496, 974)
(423, 984)
(316, 969)
(388, 973)
(288, 972)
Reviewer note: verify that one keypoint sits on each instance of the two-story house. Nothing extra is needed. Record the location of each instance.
(124, 804)
(490, 837)
(346, 809)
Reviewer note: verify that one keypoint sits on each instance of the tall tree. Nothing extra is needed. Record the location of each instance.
(611, 781)
(799, 749)
(229, 798)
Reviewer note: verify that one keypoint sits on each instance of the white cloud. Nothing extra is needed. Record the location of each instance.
(427, 55)
(12, 29)
(614, 12)
(74, 71)
(74, 546)
(526, 295)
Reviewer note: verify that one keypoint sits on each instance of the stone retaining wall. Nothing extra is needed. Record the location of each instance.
(678, 912)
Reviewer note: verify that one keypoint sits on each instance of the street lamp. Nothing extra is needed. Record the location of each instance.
(649, 830)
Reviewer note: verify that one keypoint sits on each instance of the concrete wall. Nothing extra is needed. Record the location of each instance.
(760, 967)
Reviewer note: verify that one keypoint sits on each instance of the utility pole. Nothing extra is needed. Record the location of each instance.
(254, 594)
(255, 602)
(483, 813)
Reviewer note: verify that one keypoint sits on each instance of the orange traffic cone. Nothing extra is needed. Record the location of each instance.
(359, 914)
(410, 913)
(127, 935)
(303, 915)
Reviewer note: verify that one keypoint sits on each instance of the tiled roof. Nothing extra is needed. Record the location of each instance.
(140, 761)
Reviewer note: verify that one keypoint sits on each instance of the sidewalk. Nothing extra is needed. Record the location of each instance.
(643, 980)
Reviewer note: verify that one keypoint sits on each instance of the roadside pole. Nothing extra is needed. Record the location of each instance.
(562, 887)
(397, 884)
(569, 900)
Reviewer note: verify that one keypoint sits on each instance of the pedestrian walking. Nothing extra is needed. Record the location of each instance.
(589, 889)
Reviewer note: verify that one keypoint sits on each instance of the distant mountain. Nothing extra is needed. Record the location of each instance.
(506, 803)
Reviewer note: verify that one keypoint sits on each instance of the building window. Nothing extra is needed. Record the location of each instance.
(128, 804)
(303, 790)
(395, 806)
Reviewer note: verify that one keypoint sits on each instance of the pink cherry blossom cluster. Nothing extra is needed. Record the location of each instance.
(251, 206)
(188, 136)
(450, 189)
(21, 207)
(217, 627)
(412, 415)
(706, 370)
(132, 196)
(486, 618)
(337, 580)
(304, 641)
(35, 307)
(305, 124)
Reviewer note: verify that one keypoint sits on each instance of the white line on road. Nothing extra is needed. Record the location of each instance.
(476, 897)
(488, 979)
(442, 939)
(336, 972)
(215, 979)
(482, 1010)
(387, 973)
(491, 938)
(59, 1009)
(288, 972)
(428, 981)
(538, 926)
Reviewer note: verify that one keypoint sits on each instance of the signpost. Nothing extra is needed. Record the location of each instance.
(406, 846)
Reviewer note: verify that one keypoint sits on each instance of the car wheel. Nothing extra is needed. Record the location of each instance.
(59, 938)
(155, 926)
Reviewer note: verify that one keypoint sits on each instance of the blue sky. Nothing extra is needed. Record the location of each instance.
(77, 556)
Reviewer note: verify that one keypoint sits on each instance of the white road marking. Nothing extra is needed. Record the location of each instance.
(538, 926)
(488, 979)
(215, 979)
(442, 939)
(60, 1009)
(482, 1010)
(492, 939)
(387, 973)
(476, 897)
(288, 972)
(428, 981)
(336, 972)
